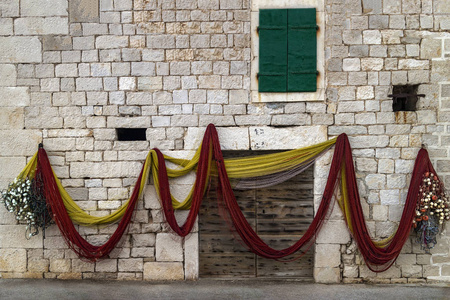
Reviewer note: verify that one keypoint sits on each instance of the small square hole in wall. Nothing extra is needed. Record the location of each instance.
(405, 97)
(131, 134)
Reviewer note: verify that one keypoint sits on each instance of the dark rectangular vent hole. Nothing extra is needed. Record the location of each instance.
(405, 97)
(131, 134)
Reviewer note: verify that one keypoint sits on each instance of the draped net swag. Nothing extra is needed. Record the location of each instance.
(37, 197)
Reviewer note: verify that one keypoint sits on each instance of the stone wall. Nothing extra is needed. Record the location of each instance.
(372, 46)
(72, 71)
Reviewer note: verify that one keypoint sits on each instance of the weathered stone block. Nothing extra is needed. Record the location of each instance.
(351, 64)
(38, 265)
(369, 141)
(151, 198)
(414, 271)
(140, 98)
(168, 247)
(391, 36)
(365, 92)
(376, 181)
(392, 7)
(352, 37)
(392, 272)
(208, 4)
(395, 213)
(397, 22)
(413, 64)
(131, 265)
(84, 11)
(124, 5)
(359, 50)
(333, 232)
(404, 166)
(441, 259)
(54, 43)
(445, 272)
(372, 37)
(89, 84)
(115, 194)
(127, 83)
(291, 120)
(83, 43)
(11, 167)
(45, 8)
(378, 21)
(327, 275)
(191, 261)
(230, 138)
(144, 252)
(55, 242)
(6, 26)
(143, 69)
(11, 118)
(38, 25)
(396, 181)
(327, 255)
(161, 41)
(351, 271)
(380, 213)
(286, 138)
(371, 6)
(111, 42)
(104, 169)
(8, 74)
(411, 6)
(390, 197)
(337, 130)
(66, 70)
(163, 271)
(19, 142)
(13, 260)
(230, 4)
(150, 83)
(432, 271)
(79, 266)
(60, 265)
(9, 8)
(366, 165)
(406, 259)
(106, 265)
(143, 240)
(372, 64)
(20, 49)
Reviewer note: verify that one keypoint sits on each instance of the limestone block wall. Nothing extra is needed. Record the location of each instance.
(72, 71)
(372, 46)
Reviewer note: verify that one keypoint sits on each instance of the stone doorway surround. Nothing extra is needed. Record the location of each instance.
(334, 232)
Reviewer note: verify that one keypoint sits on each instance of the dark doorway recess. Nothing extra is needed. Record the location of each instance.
(131, 134)
(280, 214)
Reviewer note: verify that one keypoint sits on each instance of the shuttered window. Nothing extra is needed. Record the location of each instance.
(287, 50)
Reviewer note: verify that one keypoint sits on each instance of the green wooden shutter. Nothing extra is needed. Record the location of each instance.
(302, 50)
(272, 28)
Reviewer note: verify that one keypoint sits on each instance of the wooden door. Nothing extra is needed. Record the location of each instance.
(280, 215)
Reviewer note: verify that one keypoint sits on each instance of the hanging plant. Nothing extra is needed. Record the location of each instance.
(432, 210)
(24, 198)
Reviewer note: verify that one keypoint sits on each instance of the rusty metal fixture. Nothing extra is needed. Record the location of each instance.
(405, 101)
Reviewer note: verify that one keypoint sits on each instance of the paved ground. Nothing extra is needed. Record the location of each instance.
(212, 289)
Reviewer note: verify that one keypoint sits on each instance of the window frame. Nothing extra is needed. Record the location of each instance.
(257, 96)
